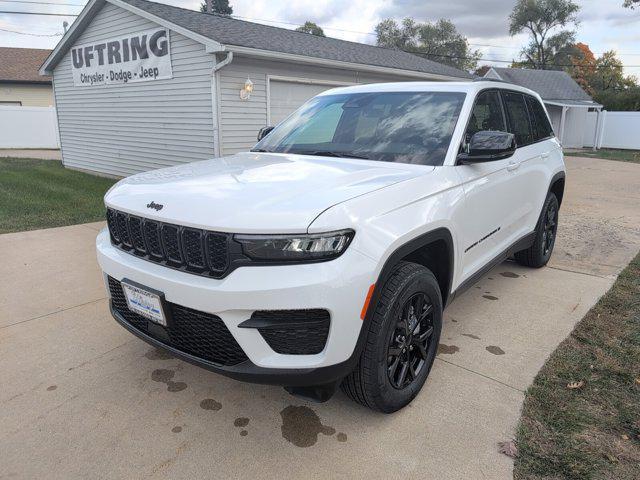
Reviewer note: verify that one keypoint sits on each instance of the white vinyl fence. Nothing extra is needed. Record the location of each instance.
(615, 130)
(28, 127)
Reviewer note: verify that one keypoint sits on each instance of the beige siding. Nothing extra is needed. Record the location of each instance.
(28, 95)
(124, 129)
(240, 120)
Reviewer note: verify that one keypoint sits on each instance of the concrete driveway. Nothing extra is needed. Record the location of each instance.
(82, 398)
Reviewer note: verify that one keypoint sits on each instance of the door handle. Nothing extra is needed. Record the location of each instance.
(513, 166)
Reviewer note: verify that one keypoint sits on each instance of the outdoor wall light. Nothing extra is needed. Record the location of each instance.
(246, 91)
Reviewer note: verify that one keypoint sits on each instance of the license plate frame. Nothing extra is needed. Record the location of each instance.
(146, 301)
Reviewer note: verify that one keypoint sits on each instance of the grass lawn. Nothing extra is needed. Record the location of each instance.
(581, 416)
(42, 193)
(609, 154)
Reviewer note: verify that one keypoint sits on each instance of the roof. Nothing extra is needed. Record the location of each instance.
(231, 32)
(22, 64)
(549, 84)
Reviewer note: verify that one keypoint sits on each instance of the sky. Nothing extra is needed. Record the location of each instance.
(604, 24)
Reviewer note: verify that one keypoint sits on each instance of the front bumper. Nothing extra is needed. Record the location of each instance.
(339, 286)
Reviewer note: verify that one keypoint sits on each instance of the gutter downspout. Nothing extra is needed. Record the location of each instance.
(596, 130)
(215, 111)
(562, 121)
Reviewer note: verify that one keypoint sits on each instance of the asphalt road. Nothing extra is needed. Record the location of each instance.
(82, 398)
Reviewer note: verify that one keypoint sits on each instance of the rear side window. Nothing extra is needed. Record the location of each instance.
(519, 123)
(541, 127)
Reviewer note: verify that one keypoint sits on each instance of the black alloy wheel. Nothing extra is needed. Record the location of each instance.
(409, 341)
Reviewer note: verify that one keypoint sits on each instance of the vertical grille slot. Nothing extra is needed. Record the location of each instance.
(123, 229)
(217, 251)
(137, 234)
(152, 236)
(193, 248)
(171, 243)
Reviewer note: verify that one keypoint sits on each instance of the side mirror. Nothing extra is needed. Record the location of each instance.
(489, 145)
(263, 132)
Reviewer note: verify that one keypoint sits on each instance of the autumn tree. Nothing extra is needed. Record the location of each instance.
(545, 22)
(438, 41)
(583, 66)
(312, 28)
(221, 7)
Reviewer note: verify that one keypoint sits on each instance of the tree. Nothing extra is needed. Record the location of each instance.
(482, 71)
(542, 19)
(312, 28)
(631, 3)
(583, 66)
(438, 41)
(221, 7)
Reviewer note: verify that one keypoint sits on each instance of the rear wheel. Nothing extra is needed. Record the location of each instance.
(538, 254)
(401, 341)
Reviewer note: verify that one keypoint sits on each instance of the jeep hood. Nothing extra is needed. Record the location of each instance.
(253, 192)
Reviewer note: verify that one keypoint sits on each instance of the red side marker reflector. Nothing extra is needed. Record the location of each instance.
(365, 307)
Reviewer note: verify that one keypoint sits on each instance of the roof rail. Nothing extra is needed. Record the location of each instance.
(486, 79)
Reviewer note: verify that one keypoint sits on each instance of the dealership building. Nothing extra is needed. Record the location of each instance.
(140, 85)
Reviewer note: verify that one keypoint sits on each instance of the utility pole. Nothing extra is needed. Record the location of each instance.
(209, 7)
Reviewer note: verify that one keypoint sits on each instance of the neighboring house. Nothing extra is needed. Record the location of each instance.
(20, 82)
(206, 92)
(566, 102)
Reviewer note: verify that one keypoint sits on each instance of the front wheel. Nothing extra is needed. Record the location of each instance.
(401, 342)
(538, 254)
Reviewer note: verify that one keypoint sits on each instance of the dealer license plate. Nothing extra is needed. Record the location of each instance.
(145, 303)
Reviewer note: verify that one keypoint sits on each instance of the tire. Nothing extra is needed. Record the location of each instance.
(373, 383)
(538, 254)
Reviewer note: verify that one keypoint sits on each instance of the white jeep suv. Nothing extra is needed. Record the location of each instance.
(325, 256)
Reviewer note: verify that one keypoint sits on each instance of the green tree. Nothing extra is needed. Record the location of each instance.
(221, 7)
(312, 28)
(543, 20)
(438, 41)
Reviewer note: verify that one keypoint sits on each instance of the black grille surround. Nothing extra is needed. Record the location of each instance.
(196, 333)
(292, 332)
(192, 250)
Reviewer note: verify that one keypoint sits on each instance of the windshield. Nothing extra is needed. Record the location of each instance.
(405, 127)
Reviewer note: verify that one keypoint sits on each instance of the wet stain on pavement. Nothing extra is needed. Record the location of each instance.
(447, 349)
(176, 429)
(51, 388)
(157, 354)
(342, 437)
(210, 404)
(495, 350)
(162, 375)
(489, 297)
(301, 426)
(510, 275)
(475, 337)
(241, 422)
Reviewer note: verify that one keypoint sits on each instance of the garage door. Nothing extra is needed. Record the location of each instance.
(286, 97)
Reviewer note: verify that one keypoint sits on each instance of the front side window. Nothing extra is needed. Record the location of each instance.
(539, 120)
(405, 127)
(518, 118)
(487, 114)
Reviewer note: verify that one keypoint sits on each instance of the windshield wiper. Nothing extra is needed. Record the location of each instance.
(331, 153)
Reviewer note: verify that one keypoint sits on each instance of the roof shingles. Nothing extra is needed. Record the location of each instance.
(231, 31)
(22, 64)
(549, 84)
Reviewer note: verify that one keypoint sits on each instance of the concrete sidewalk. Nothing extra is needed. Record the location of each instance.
(42, 154)
(82, 398)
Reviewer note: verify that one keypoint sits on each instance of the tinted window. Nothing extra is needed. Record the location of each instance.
(518, 118)
(487, 114)
(406, 127)
(539, 120)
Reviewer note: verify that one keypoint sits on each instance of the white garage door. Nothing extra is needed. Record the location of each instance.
(286, 97)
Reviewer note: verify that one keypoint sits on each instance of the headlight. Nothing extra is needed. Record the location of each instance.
(295, 248)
